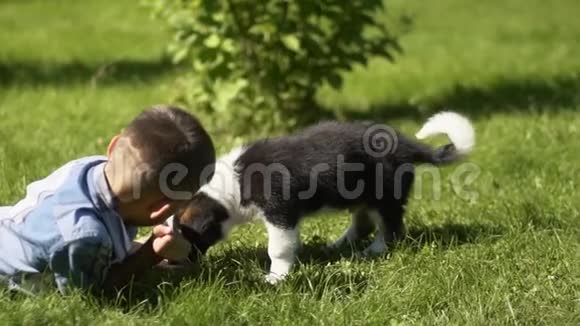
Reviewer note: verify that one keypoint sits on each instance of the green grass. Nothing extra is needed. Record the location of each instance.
(72, 73)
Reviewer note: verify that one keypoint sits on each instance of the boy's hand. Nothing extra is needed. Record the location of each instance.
(163, 244)
(169, 245)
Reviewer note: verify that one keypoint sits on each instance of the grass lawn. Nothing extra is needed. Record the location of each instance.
(72, 73)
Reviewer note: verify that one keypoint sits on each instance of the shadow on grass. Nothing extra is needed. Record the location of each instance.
(556, 94)
(511, 96)
(69, 73)
(505, 95)
(315, 251)
(244, 267)
(446, 236)
(450, 235)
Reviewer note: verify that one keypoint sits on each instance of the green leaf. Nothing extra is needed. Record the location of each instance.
(212, 41)
(219, 16)
(180, 54)
(292, 42)
(226, 92)
(263, 29)
(228, 46)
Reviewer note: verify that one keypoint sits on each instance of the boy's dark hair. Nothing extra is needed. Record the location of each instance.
(167, 138)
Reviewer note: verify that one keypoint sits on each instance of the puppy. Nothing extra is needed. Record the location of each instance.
(361, 165)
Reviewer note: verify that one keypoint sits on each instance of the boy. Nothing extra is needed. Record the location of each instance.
(79, 222)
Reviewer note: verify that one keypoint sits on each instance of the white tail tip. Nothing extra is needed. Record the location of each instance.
(455, 126)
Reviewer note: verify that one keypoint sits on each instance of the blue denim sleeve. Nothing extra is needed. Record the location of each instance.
(81, 264)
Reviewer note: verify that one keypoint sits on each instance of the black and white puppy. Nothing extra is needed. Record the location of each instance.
(360, 165)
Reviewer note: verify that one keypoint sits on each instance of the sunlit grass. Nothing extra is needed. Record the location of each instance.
(73, 73)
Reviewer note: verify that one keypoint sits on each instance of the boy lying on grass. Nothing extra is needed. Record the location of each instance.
(76, 227)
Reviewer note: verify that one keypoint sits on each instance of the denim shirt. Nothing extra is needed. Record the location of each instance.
(65, 232)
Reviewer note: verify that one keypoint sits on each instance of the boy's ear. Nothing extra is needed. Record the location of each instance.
(112, 144)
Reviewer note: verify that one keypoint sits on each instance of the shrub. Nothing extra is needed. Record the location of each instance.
(261, 61)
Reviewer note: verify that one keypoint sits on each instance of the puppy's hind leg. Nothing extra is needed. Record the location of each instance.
(282, 246)
(393, 210)
(360, 227)
(390, 229)
(378, 246)
(389, 218)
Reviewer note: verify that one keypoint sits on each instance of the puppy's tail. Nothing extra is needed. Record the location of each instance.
(457, 128)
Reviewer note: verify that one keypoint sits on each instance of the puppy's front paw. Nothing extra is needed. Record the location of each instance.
(273, 278)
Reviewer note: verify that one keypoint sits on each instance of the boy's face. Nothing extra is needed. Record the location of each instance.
(149, 210)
